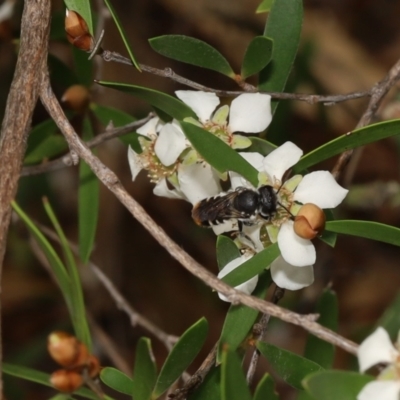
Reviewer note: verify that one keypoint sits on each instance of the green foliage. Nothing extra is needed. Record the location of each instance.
(265, 389)
(226, 251)
(116, 380)
(390, 320)
(257, 56)
(264, 6)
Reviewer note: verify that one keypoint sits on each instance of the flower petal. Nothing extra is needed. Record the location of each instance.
(382, 390)
(202, 103)
(250, 113)
(135, 164)
(198, 181)
(376, 348)
(256, 160)
(320, 188)
(151, 127)
(289, 277)
(170, 144)
(251, 237)
(246, 287)
(162, 189)
(281, 159)
(295, 250)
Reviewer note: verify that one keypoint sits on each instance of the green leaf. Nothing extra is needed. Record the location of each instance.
(264, 6)
(233, 381)
(226, 251)
(351, 140)
(262, 146)
(252, 267)
(88, 210)
(318, 350)
(209, 388)
(170, 105)
(257, 56)
(284, 28)
(240, 319)
(77, 310)
(390, 320)
(366, 229)
(191, 51)
(265, 389)
(145, 371)
(291, 367)
(116, 380)
(43, 378)
(83, 67)
(122, 33)
(181, 355)
(218, 154)
(82, 7)
(334, 385)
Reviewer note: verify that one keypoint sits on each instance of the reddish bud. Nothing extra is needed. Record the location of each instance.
(309, 222)
(78, 32)
(93, 366)
(66, 381)
(77, 98)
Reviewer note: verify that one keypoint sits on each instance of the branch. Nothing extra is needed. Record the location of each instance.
(22, 98)
(110, 180)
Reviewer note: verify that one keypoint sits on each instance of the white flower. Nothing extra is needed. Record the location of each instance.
(246, 287)
(249, 113)
(377, 348)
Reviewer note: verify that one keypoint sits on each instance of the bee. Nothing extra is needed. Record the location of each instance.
(243, 204)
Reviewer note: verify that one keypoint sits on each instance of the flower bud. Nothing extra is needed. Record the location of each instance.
(77, 98)
(67, 350)
(93, 366)
(66, 381)
(309, 222)
(78, 32)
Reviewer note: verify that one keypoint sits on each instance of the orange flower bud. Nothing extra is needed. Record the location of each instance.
(93, 365)
(78, 32)
(77, 98)
(67, 350)
(309, 222)
(66, 381)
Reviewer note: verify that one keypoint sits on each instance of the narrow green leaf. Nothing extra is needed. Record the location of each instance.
(217, 153)
(291, 367)
(240, 319)
(170, 105)
(43, 378)
(82, 7)
(233, 381)
(145, 371)
(77, 311)
(252, 267)
(264, 6)
(191, 51)
(122, 33)
(257, 56)
(334, 385)
(262, 146)
(116, 380)
(318, 350)
(366, 229)
(351, 140)
(266, 389)
(390, 320)
(88, 201)
(209, 388)
(182, 354)
(55, 262)
(226, 251)
(283, 27)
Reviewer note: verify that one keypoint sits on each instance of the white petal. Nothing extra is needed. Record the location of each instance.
(256, 160)
(320, 188)
(289, 277)
(202, 103)
(380, 390)
(250, 113)
(376, 348)
(251, 237)
(135, 163)
(281, 159)
(150, 128)
(246, 287)
(295, 250)
(162, 189)
(226, 226)
(198, 181)
(170, 144)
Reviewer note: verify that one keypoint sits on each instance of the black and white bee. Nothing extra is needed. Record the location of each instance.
(242, 204)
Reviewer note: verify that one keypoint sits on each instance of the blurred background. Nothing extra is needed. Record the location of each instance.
(347, 45)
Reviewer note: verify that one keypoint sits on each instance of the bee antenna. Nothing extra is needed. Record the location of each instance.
(287, 210)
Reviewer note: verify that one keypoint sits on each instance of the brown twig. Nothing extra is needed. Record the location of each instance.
(21, 101)
(170, 74)
(110, 180)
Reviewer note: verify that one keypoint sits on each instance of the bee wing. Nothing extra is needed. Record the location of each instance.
(215, 209)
